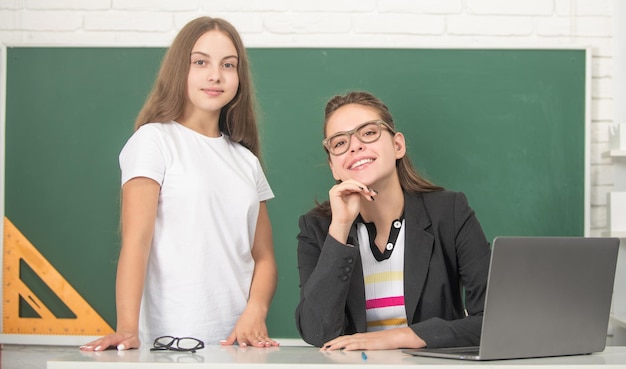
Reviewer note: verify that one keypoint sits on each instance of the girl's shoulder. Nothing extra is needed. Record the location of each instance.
(153, 129)
(157, 127)
(149, 136)
(165, 132)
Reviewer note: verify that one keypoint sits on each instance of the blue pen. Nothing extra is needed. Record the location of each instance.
(363, 355)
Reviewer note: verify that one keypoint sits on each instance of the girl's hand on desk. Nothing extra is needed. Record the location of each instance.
(250, 330)
(383, 340)
(121, 341)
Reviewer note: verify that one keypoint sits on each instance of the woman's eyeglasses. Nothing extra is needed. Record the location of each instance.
(187, 344)
(367, 132)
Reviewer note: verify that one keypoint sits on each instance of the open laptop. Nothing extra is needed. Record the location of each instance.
(546, 296)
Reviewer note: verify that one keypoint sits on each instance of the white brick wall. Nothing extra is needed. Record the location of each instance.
(359, 23)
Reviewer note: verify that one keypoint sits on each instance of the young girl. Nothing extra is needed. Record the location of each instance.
(197, 256)
(382, 263)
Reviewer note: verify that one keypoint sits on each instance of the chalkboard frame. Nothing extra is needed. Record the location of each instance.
(72, 340)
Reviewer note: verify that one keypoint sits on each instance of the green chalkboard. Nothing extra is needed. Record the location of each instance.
(507, 127)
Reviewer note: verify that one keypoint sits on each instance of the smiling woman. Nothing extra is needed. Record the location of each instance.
(364, 255)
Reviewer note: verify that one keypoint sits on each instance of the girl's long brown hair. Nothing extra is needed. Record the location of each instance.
(168, 97)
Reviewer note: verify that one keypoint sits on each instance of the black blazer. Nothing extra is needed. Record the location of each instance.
(445, 250)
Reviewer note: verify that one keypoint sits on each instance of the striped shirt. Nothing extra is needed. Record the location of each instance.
(384, 281)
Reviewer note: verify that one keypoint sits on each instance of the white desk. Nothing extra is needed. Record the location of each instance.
(307, 357)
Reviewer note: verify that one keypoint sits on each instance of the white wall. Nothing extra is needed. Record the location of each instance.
(363, 23)
(619, 75)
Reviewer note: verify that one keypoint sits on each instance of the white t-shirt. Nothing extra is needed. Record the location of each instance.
(200, 266)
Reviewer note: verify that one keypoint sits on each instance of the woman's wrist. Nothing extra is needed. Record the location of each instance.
(339, 232)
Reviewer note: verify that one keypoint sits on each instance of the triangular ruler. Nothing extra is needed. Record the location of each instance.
(17, 250)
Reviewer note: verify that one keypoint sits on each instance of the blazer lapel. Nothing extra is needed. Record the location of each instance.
(417, 251)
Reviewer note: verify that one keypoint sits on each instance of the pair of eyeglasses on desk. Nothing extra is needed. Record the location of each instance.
(184, 344)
